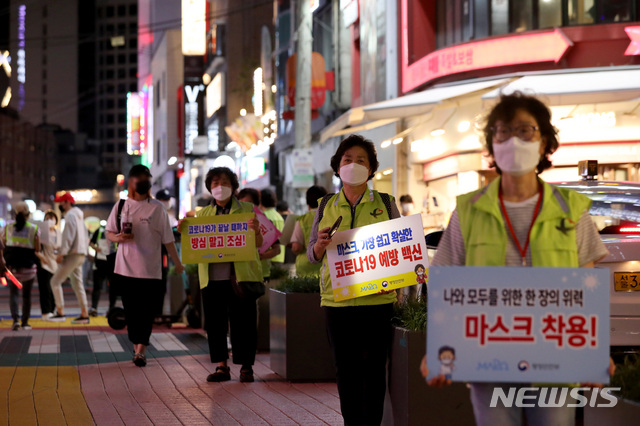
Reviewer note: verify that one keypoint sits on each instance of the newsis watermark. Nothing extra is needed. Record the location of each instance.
(543, 396)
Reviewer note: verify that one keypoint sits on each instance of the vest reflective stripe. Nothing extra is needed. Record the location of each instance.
(245, 271)
(370, 210)
(303, 266)
(553, 236)
(26, 238)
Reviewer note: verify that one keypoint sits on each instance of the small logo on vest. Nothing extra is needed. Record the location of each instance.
(376, 213)
(564, 228)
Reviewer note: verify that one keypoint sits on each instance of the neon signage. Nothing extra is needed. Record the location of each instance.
(136, 123)
(22, 60)
(191, 123)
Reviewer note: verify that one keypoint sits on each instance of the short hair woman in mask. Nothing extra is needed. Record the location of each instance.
(360, 353)
(519, 220)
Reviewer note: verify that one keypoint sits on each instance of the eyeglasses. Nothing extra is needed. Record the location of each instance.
(526, 132)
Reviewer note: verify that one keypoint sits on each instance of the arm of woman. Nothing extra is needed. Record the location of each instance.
(273, 251)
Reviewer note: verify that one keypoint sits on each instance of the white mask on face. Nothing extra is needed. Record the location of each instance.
(354, 174)
(221, 192)
(517, 157)
(407, 207)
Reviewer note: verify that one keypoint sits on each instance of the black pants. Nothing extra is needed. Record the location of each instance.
(223, 309)
(100, 276)
(136, 295)
(360, 338)
(26, 300)
(47, 303)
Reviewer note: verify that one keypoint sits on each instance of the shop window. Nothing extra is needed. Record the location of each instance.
(133, 72)
(110, 118)
(422, 27)
(110, 74)
(110, 11)
(133, 58)
(110, 103)
(521, 16)
(133, 87)
(122, 10)
(133, 10)
(110, 59)
(133, 42)
(122, 118)
(584, 12)
(550, 13)
(122, 133)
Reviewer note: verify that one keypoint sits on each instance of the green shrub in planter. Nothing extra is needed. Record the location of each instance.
(411, 315)
(627, 377)
(306, 284)
(278, 272)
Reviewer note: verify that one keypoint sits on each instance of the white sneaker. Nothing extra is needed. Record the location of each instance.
(47, 317)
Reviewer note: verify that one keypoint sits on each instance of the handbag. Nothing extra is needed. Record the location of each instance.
(248, 289)
(111, 258)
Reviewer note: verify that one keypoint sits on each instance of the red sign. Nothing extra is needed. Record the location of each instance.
(489, 53)
(634, 46)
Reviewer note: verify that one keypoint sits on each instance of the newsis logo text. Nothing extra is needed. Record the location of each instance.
(553, 397)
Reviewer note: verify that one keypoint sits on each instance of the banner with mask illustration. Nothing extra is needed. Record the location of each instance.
(217, 239)
(519, 325)
(379, 257)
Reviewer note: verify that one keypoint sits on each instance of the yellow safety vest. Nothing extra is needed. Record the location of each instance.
(369, 210)
(303, 266)
(26, 238)
(245, 270)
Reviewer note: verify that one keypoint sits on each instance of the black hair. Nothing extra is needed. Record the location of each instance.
(216, 172)
(445, 349)
(314, 194)
(268, 198)
(418, 266)
(505, 110)
(406, 199)
(51, 213)
(253, 193)
(139, 170)
(21, 221)
(348, 143)
(282, 206)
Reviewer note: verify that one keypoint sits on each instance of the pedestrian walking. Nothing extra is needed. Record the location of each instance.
(360, 353)
(70, 259)
(224, 307)
(47, 265)
(140, 226)
(101, 269)
(21, 242)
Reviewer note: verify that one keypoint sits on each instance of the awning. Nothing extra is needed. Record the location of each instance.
(382, 113)
(578, 87)
(423, 102)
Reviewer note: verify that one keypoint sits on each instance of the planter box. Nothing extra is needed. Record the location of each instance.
(625, 413)
(300, 348)
(415, 403)
(264, 335)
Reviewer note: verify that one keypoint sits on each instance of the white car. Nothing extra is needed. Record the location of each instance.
(616, 212)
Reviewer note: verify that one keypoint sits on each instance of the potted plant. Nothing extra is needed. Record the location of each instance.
(300, 348)
(278, 273)
(413, 402)
(627, 408)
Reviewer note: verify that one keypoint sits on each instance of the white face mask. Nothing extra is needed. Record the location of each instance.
(407, 207)
(421, 273)
(517, 157)
(354, 174)
(221, 192)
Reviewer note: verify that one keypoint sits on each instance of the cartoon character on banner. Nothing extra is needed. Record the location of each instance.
(446, 355)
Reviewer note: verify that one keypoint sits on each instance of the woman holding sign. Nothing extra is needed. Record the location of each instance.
(359, 329)
(519, 220)
(223, 308)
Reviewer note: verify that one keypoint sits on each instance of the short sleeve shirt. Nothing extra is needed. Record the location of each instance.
(142, 257)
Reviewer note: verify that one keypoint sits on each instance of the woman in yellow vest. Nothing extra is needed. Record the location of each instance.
(359, 329)
(519, 220)
(302, 232)
(21, 242)
(222, 307)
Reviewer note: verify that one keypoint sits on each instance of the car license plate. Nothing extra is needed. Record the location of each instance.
(626, 281)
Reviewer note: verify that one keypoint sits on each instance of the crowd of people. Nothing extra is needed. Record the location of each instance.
(519, 138)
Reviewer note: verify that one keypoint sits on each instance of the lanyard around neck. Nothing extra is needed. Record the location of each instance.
(522, 250)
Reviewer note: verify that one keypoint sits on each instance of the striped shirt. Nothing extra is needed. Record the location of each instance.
(451, 250)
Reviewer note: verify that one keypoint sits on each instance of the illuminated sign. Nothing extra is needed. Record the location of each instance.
(257, 92)
(496, 52)
(606, 153)
(22, 60)
(5, 64)
(214, 95)
(315, 4)
(136, 123)
(194, 27)
(634, 46)
(191, 124)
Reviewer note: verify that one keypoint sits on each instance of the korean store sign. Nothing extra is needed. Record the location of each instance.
(504, 324)
(384, 256)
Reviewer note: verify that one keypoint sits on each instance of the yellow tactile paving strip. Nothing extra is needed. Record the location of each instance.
(38, 322)
(42, 395)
